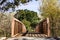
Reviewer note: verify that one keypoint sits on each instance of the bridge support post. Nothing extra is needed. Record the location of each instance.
(48, 25)
(17, 27)
(12, 27)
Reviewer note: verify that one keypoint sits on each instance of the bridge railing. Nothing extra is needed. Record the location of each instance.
(43, 27)
(17, 27)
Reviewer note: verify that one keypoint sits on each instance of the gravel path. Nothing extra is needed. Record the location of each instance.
(29, 38)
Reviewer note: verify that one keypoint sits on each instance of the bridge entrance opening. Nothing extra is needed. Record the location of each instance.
(40, 28)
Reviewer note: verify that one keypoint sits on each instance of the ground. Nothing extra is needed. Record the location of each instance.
(30, 38)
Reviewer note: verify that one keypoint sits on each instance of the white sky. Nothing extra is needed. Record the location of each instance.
(32, 5)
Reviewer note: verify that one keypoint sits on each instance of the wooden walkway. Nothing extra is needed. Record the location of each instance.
(36, 35)
(32, 35)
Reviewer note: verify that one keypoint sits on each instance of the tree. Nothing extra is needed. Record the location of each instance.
(5, 5)
(51, 10)
(11, 4)
(27, 24)
(29, 18)
(5, 25)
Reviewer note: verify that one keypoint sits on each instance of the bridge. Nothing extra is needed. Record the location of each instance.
(18, 29)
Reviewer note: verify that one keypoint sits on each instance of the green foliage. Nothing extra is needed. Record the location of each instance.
(29, 18)
(23, 1)
(27, 24)
(12, 5)
(5, 25)
(52, 11)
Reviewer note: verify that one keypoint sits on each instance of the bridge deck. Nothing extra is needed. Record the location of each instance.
(32, 35)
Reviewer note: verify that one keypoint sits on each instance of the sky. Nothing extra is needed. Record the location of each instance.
(32, 5)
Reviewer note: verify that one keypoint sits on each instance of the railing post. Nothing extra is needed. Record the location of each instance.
(12, 27)
(48, 26)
